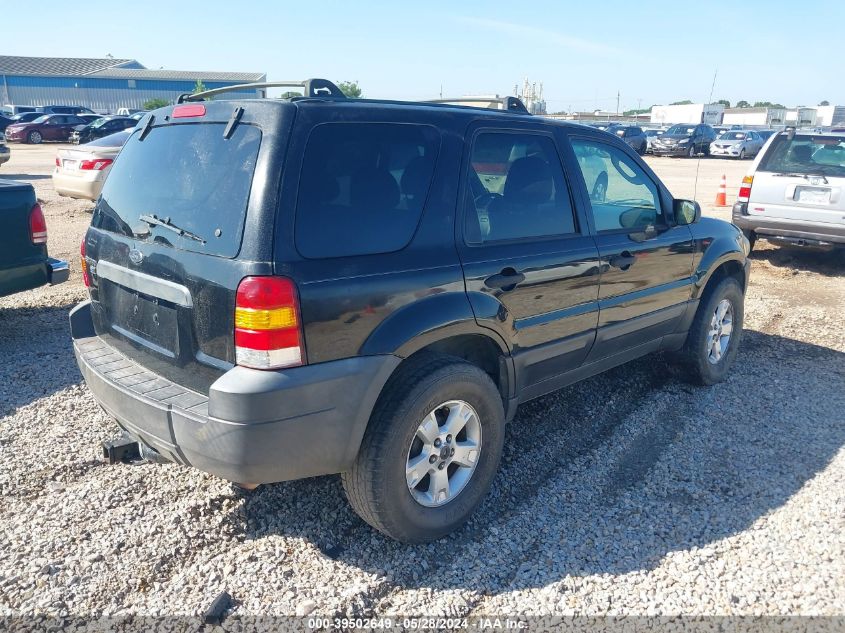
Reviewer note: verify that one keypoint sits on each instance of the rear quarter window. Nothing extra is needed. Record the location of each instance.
(363, 187)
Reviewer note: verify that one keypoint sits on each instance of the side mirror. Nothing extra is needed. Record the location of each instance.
(686, 212)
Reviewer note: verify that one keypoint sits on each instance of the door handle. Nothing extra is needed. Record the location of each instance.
(506, 280)
(623, 261)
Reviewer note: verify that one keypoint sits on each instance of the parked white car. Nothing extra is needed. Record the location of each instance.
(737, 144)
(81, 171)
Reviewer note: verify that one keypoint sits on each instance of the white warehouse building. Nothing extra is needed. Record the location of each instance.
(688, 113)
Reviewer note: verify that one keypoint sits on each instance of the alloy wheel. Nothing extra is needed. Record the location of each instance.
(444, 453)
(721, 328)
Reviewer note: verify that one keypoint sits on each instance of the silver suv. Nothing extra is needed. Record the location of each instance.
(794, 192)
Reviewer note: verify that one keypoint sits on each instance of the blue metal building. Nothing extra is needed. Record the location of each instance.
(104, 85)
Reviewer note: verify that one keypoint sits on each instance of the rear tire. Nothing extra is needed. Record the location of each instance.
(423, 401)
(714, 337)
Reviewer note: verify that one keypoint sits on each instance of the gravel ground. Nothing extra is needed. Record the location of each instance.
(628, 494)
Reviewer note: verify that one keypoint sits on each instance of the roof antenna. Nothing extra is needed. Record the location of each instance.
(698, 164)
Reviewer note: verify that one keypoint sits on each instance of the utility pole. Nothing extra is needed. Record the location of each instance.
(441, 90)
(617, 103)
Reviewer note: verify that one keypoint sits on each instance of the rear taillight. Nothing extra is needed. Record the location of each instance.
(84, 265)
(267, 324)
(37, 225)
(97, 164)
(745, 189)
(58, 162)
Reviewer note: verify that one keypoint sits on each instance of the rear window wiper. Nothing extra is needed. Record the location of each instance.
(153, 220)
(804, 176)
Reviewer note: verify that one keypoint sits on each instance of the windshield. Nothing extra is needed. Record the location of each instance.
(99, 122)
(189, 174)
(732, 136)
(806, 155)
(681, 129)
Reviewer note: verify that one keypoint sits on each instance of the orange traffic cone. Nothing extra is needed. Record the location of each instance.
(722, 196)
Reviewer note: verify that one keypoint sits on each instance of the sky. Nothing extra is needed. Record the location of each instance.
(649, 52)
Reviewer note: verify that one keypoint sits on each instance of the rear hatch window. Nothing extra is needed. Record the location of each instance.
(188, 176)
(821, 155)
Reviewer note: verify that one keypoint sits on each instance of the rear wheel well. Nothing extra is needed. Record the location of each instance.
(475, 349)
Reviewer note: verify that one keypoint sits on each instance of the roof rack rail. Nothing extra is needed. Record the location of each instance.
(314, 87)
(511, 104)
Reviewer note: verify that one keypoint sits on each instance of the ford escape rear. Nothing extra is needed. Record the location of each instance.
(289, 288)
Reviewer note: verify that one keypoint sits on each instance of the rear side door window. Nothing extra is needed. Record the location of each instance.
(622, 196)
(516, 189)
(363, 187)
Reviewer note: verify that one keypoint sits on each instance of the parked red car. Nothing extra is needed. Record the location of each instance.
(50, 127)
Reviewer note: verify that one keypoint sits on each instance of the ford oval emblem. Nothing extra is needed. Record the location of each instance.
(136, 256)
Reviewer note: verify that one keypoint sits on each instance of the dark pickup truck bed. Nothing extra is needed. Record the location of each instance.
(24, 263)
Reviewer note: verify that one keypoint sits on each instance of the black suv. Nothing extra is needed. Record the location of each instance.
(633, 135)
(298, 287)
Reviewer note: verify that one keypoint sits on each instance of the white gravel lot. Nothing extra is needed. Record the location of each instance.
(628, 494)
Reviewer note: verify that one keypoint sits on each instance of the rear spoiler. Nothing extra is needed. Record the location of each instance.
(312, 88)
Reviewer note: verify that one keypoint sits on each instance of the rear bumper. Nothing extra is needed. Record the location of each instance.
(5, 154)
(816, 235)
(33, 275)
(253, 426)
(78, 186)
(58, 271)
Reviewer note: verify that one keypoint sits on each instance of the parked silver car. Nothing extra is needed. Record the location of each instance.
(737, 144)
(794, 191)
(650, 135)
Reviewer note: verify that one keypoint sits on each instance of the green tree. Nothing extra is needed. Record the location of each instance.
(684, 102)
(290, 94)
(767, 104)
(725, 103)
(825, 103)
(153, 104)
(199, 87)
(350, 88)
(743, 104)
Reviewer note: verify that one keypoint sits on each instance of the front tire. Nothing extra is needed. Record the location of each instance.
(34, 137)
(714, 337)
(691, 153)
(742, 154)
(430, 452)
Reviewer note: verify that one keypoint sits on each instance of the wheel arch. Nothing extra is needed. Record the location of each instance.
(443, 324)
(725, 266)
